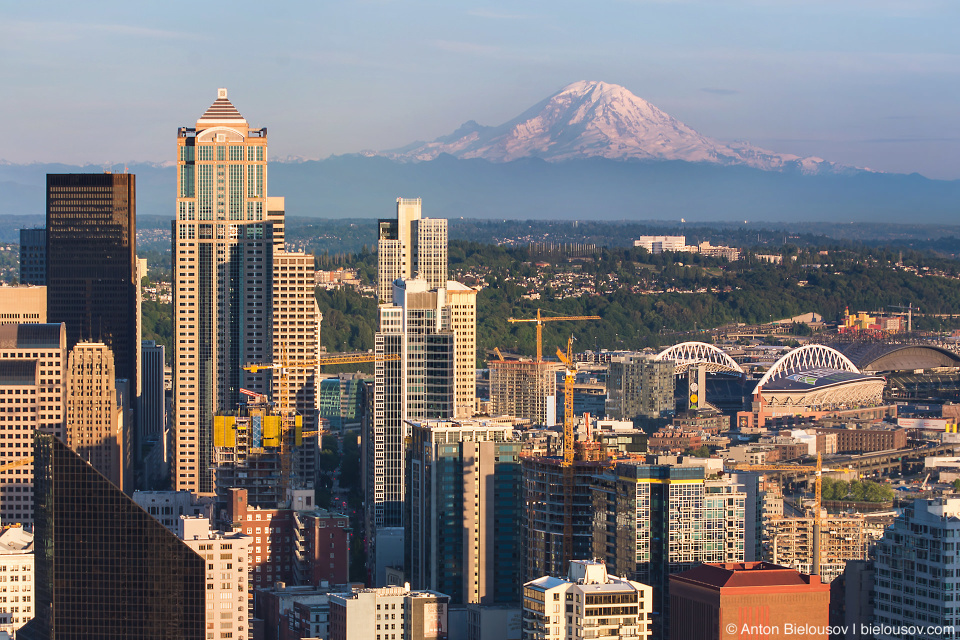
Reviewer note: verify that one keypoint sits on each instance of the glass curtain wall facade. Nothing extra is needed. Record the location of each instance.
(653, 521)
(105, 568)
(463, 524)
(419, 386)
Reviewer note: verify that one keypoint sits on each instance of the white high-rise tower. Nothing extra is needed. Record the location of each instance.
(222, 273)
(411, 247)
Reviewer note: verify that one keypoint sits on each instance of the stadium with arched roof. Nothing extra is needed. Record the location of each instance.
(713, 358)
(814, 380)
(875, 356)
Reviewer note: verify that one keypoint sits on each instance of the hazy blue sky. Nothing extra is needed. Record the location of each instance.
(871, 83)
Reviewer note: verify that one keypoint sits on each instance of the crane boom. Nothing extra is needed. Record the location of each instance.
(541, 319)
(16, 463)
(817, 521)
(282, 369)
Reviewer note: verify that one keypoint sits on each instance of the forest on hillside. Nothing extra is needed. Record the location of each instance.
(644, 300)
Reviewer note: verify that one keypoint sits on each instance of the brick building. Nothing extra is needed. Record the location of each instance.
(291, 544)
(716, 601)
(322, 547)
(673, 441)
(867, 440)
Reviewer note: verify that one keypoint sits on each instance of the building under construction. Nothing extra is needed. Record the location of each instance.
(790, 541)
(524, 388)
(558, 515)
(250, 453)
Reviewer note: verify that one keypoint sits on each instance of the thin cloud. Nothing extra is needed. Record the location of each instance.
(64, 31)
(472, 48)
(720, 92)
(496, 15)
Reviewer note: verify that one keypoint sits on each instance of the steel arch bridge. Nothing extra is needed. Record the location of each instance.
(811, 356)
(690, 353)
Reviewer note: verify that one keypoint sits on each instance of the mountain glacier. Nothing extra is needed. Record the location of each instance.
(597, 119)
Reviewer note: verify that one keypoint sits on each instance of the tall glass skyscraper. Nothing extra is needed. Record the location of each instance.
(222, 280)
(464, 511)
(92, 268)
(410, 247)
(105, 568)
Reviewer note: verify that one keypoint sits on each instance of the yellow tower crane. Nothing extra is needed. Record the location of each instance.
(568, 381)
(817, 520)
(540, 320)
(16, 463)
(282, 370)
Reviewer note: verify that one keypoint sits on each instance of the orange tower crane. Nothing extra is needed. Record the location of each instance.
(568, 382)
(540, 320)
(282, 370)
(817, 520)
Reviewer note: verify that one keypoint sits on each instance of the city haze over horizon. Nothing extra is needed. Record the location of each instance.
(862, 84)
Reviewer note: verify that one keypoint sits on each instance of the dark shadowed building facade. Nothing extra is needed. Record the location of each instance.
(105, 568)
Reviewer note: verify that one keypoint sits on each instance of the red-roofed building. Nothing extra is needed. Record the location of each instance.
(748, 600)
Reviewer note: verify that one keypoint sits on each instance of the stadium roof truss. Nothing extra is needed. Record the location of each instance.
(811, 356)
(691, 353)
(858, 393)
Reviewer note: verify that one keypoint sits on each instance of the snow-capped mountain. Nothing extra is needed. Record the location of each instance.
(596, 119)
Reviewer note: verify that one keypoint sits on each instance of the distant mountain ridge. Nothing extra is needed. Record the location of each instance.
(601, 120)
(591, 151)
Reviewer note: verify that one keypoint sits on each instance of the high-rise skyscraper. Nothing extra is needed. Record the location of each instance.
(652, 521)
(33, 256)
(94, 421)
(558, 513)
(33, 360)
(461, 302)
(411, 247)
(417, 387)
(92, 267)
(465, 492)
(222, 280)
(152, 411)
(296, 322)
(640, 386)
(105, 568)
(918, 571)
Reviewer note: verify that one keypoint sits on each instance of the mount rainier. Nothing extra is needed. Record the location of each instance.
(601, 120)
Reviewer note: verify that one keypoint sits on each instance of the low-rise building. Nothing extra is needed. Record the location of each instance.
(16, 579)
(295, 612)
(587, 603)
(226, 576)
(673, 441)
(882, 437)
(747, 600)
(389, 613)
(168, 506)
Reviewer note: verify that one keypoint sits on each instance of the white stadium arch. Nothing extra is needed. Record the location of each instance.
(688, 353)
(811, 356)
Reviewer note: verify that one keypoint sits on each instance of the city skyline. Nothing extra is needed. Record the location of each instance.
(864, 84)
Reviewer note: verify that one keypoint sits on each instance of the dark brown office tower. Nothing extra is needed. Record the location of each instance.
(92, 264)
(105, 568)
(91, 267)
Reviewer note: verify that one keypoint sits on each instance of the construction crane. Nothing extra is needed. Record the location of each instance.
(540, 320)
(496, 350)
(910, 309)
(282, 370)
(817, 520)
(16, 463)
(568, 382)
